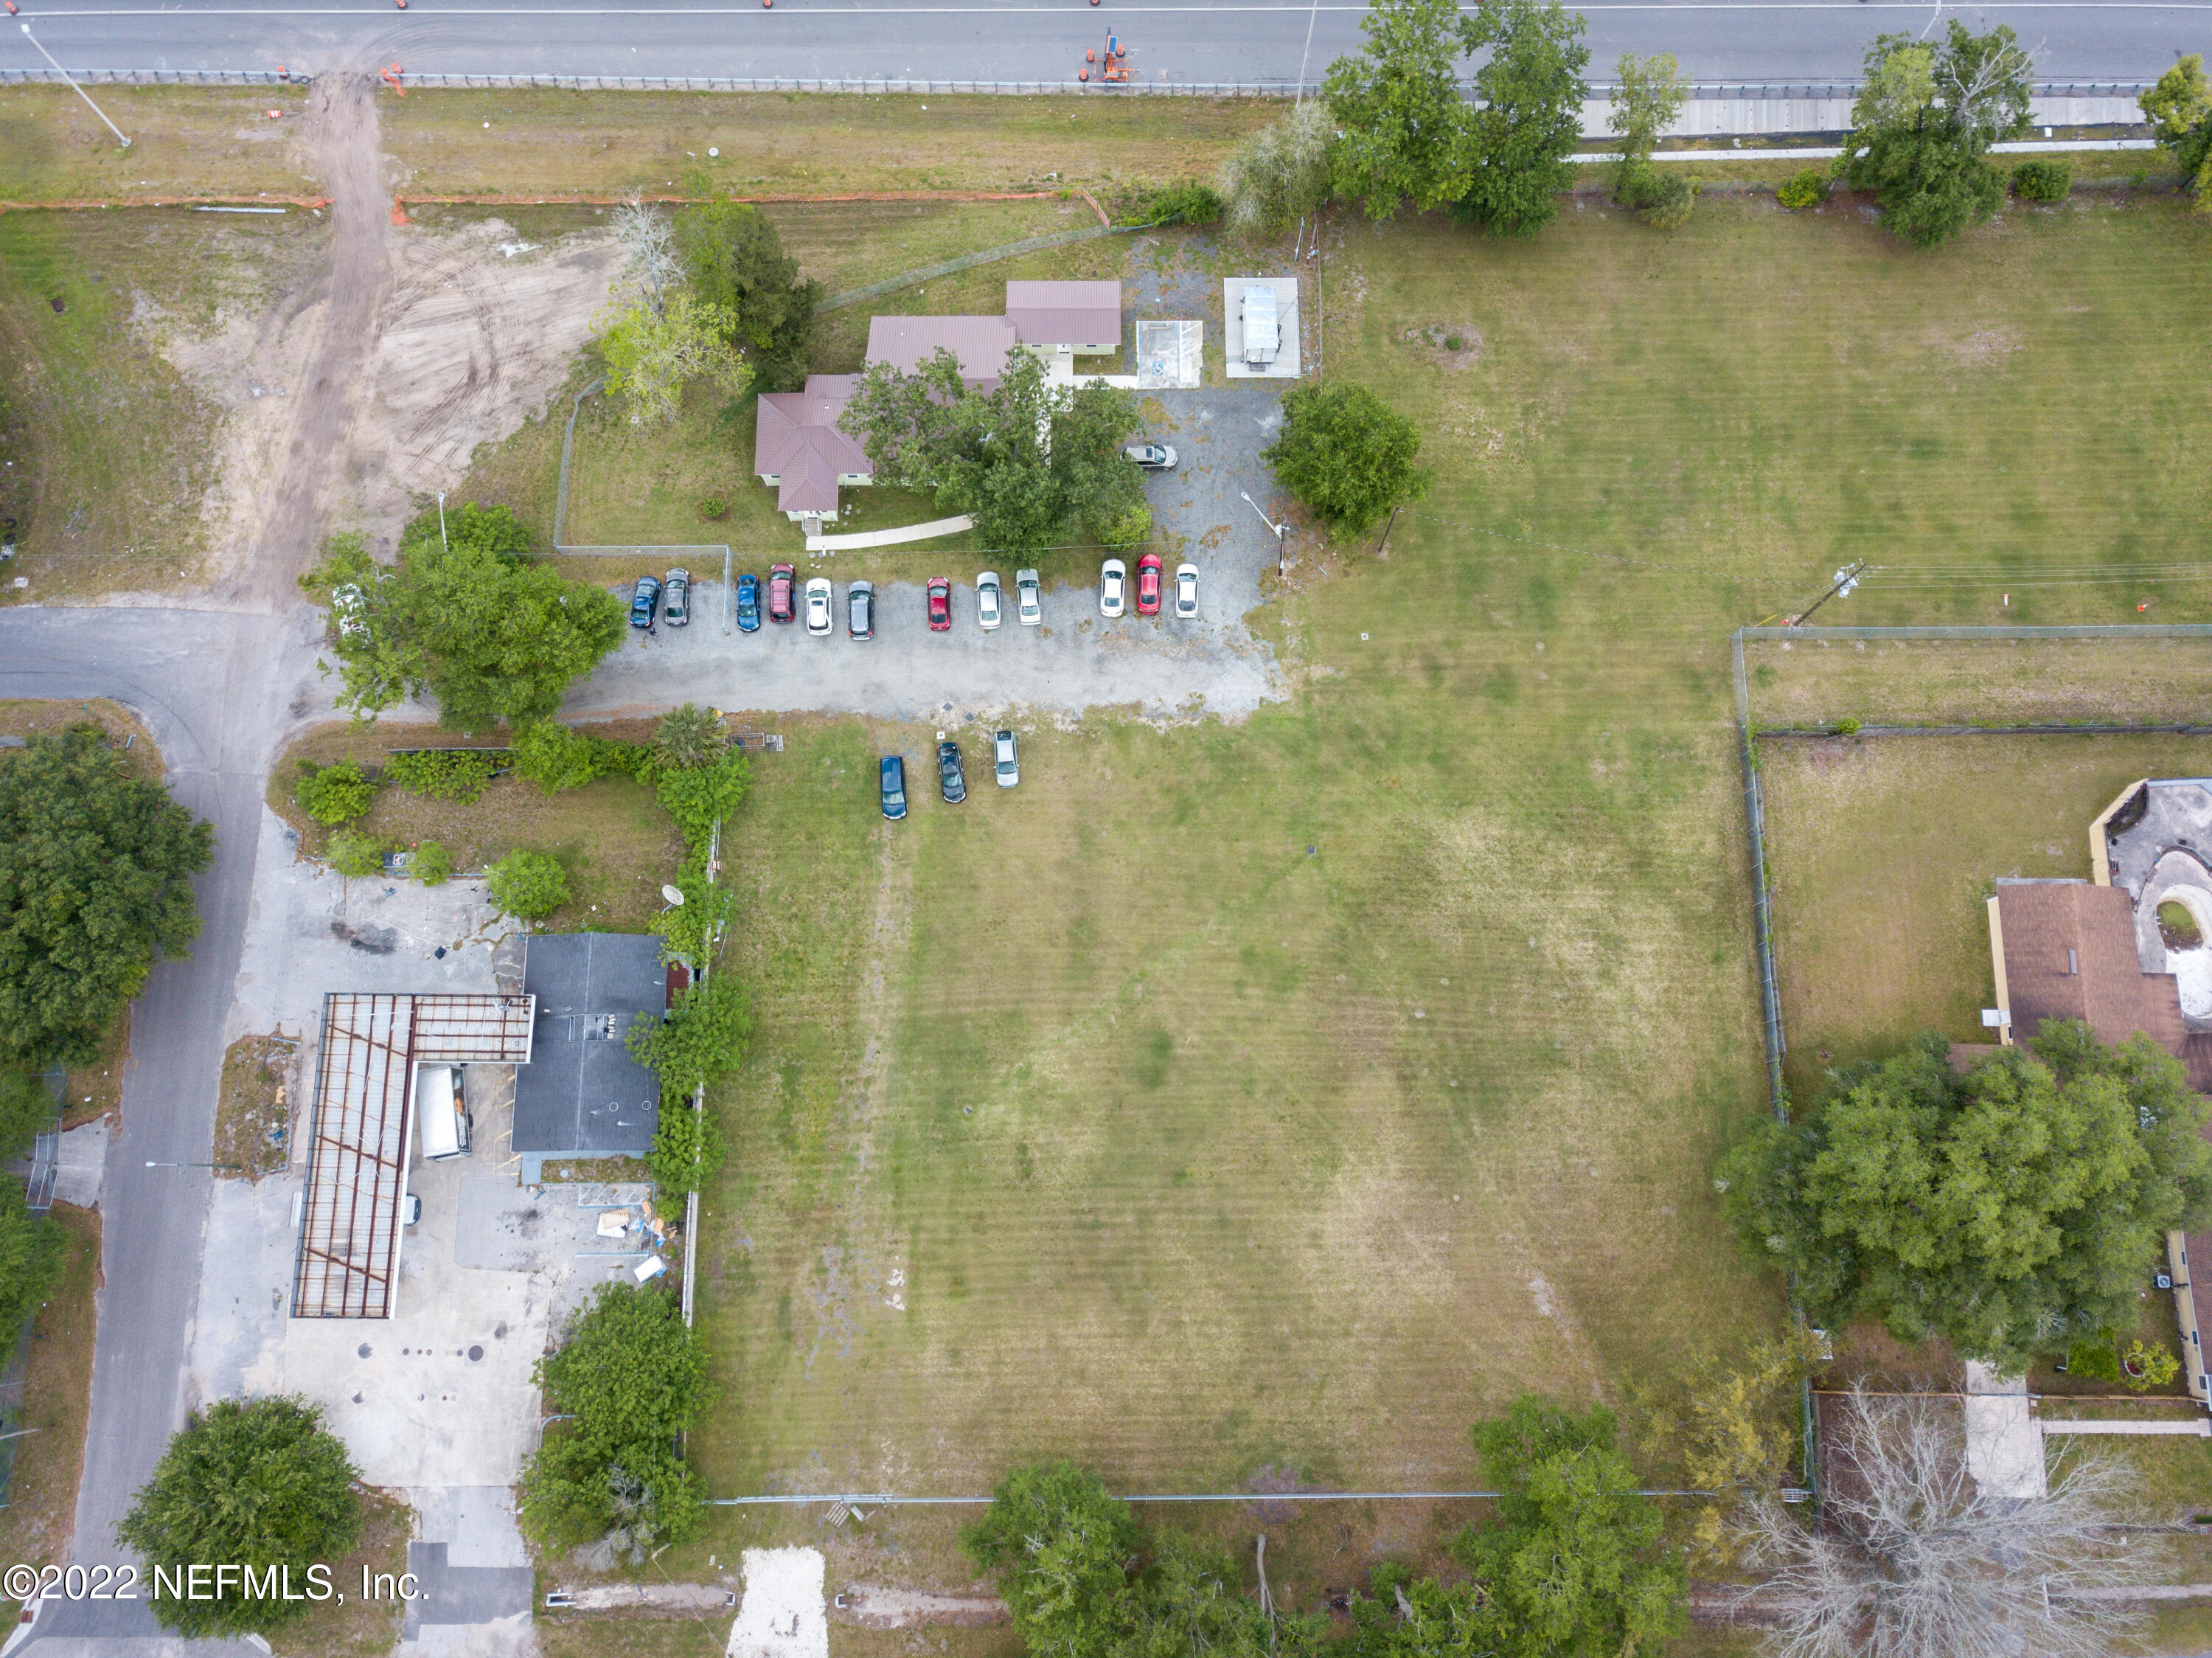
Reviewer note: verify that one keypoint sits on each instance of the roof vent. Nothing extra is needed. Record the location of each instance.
(2072, 964)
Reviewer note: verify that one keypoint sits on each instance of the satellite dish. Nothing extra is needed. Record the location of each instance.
(671, 894)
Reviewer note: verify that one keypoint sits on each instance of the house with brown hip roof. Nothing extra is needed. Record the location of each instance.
(2094, 950)
(803, 454)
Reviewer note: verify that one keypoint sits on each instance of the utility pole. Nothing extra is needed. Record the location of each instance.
(442, 542)
(78, 90)
(1847, 579)
(1282, 550)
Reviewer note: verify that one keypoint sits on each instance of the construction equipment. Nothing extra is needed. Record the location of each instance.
(1113, 64)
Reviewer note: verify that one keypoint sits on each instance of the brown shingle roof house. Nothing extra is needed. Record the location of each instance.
(2066, 949)
(800, 451)
(1066, 316)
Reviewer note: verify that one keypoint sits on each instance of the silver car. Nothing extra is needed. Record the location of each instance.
(1186, 591)
(1153, 457)
(988, 614)
(1026, 605)
(676, 598)
(1005, 761)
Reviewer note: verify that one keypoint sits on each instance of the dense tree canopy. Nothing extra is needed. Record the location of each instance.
(631, 1376)
(1925, 118)
(1033, 464)
(261, 1484)
(1528, 117)
(2179, 110)
(468, 618)
(652, 353)
(1064, 1551)
(735, 259)
(95, 880)
(1346, 453)
(2006, 1209)
(1398, 107)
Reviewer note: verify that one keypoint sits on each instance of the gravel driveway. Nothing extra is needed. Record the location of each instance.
(1076, 660)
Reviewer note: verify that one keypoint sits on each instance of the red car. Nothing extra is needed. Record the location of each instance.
(941, 603)
(779, 583)
(1148, 585)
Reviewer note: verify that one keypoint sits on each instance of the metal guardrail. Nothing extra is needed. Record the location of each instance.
(1603, 91)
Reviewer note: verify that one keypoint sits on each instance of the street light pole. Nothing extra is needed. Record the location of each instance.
(75, 88)
(235, 1168)
(442, 542)
(1282, 557)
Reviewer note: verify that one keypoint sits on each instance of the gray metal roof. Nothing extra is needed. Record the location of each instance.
(581, 1094)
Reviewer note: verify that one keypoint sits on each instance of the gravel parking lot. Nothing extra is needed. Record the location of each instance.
(1077, 659)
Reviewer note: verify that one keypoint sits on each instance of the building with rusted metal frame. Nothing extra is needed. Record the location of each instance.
(361, 1133)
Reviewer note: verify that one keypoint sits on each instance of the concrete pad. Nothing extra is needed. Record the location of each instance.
(2005, 1441)
(463, 1594)
(81, 1167)
(783, 1614)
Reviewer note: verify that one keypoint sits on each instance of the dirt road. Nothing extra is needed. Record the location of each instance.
(344, 144)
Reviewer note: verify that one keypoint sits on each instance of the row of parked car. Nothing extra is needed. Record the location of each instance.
(951, 780)
(668, 600)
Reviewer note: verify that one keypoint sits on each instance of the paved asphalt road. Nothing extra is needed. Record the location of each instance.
(1255, 41)
(217, 691)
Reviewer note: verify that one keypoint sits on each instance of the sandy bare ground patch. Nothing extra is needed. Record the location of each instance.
(372, 378)
(782, 1615)
(871, 1606)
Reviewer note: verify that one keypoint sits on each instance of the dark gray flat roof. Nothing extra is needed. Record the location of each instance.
(581, 1094)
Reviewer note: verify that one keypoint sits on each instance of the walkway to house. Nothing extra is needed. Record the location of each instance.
(891, 538)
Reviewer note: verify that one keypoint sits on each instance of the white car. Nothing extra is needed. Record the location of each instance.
(1113, 587)
(986, 600)
(1027, 608)
(1005, 760)
(817, 607)
(1186, 591)
(1153, 457)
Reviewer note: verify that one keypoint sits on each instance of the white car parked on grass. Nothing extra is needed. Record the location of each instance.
(817, 607)
(1005, 760)
(987, 612)
(1027, 608)
(1186, 591)
(1113, 587)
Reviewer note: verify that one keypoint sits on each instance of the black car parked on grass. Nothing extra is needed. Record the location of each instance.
(893, 785)
(949, 775)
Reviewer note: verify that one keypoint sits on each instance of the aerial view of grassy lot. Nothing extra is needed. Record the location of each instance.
(1287, 1095)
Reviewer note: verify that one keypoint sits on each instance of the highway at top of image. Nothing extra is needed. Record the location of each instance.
(1249, 42)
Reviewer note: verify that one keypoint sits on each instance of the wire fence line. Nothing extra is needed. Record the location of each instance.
(1728, 91)
(878, 1500)
(969, 261)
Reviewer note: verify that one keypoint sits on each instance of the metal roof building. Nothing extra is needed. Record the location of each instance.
(347, 1265)
(582, 1094)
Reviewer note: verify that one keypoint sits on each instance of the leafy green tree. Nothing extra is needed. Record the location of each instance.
(651, 357)
(1063, 1550)
(1403, 125)
(2179, 110)
(689, 736)
(1528, 118)
(528, 885)
(631, 1376)
(699, 796)
(474, 528)
(1925, 118)
(469, 620)
(30, 1261)
(26, 1106)
(1348, 454)
(432, 864)
(735, 259)
(333, 794)
(1407, 1616)
(557, 757)
(1650, 94)
(355, 855)
(260, 1483)
(2004, 1211)
(687, 1149)
(95, 880)
(690, 928)
(1573, 1563)
(701, 1038)
(1027, 460)
(1189, 1600)
(1280, 173)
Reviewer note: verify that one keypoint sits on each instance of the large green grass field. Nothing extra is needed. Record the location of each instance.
(1108, 1119)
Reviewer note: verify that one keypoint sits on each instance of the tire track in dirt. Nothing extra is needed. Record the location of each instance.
(344, 144)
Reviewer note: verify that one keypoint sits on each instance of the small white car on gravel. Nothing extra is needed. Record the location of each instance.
(1028, 609)
(1113, 587)
(1186, 591)
(817, 607)
(987, 612)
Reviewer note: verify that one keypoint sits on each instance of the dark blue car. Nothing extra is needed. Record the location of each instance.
(749, 604)
(894, 786)
(641, 606)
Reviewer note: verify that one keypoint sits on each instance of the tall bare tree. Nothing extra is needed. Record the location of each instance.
(1908, 1559)
(649, 243)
